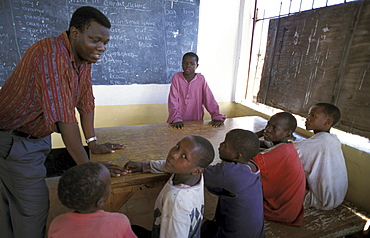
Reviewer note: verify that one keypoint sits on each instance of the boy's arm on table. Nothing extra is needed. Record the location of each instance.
(153, 166)
(177, 125)
(216, 123)
(212, 107)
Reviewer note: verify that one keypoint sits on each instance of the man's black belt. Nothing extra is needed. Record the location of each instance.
(19, 133)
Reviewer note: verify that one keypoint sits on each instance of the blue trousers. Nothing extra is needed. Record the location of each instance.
(23, 192)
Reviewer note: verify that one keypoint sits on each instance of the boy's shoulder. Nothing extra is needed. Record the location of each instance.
(201, 77)
(279, 147)
(180, 195)
(319, 142)
(169, 185)
(229, 168)
(320, 138)
(326, 135)
(179, 77)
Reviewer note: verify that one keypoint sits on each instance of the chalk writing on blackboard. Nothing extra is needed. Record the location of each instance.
(148, 37)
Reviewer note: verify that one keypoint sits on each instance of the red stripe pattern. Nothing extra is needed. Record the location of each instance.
(45, 88)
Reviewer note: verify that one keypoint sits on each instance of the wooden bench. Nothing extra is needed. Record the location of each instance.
(346, 219)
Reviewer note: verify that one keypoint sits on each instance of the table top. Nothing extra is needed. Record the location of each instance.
(153, 142)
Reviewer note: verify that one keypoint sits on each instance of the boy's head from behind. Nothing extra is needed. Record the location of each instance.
(280, 127)
(85, 187)
(322, 116)
(190, 156)
(239, 146)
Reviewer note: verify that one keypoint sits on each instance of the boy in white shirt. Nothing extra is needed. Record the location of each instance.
(179, 207)
(323, 159)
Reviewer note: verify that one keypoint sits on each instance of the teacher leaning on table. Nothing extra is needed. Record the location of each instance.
(39, 98)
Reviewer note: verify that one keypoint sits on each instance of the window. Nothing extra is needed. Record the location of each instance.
(314, 56)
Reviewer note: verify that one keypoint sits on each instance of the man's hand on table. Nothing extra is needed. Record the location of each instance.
(216, 123)
(106, 148)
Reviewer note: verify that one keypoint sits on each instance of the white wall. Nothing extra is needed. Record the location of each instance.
(223, 49)
(223, 46)
(131, 94)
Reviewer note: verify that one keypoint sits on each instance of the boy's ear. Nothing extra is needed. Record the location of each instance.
(328, 122)
(100, 203)
(289, 134)
(197, 170)
(238, 156)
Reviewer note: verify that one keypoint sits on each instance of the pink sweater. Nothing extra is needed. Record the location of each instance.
(186, 101)
(97, 224)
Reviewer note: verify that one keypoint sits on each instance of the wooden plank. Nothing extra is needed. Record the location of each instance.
(339, 222)
(354, 99)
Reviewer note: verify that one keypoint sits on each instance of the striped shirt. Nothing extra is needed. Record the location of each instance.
(45, 88)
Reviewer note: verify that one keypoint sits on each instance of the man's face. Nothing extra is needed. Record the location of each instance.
(89, 45)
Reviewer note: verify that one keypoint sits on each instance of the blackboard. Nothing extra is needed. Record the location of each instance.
(148, 37)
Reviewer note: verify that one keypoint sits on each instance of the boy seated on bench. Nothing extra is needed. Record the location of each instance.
(323, 159)
(282, 174)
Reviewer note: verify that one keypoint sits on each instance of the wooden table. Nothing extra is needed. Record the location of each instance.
(153, 142)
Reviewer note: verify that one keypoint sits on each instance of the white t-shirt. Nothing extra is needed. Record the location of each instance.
(325, 170)
(179, 210)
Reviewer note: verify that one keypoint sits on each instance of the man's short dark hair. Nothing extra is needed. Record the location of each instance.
(205, 150)
(80, 186)
(83, 16)
(331, 111)
(244, 142)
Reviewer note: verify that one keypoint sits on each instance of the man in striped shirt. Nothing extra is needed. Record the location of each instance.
(39, 98)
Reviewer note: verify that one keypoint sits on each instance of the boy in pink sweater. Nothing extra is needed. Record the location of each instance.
(84, 189)
(190, 94)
